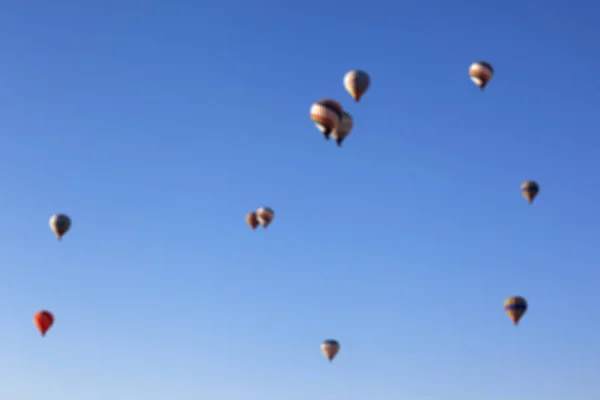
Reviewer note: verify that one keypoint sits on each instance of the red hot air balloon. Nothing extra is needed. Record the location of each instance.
(43, 320)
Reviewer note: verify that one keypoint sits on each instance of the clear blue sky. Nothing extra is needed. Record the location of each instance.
(157, 126)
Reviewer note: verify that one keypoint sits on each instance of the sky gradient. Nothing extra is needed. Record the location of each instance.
(157, 126)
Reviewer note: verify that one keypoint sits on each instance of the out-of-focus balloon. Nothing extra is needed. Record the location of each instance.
(330, 348)
(265, 216)
(326, 115)
(529, 190)
(252, 220)
(481, 73)
(60, 224)
(43, 320)
(356, 83)
(343, 130)
(515, 307)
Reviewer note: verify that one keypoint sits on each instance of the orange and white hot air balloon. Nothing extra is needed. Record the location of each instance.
(43, 320)
(326, 115)
(265, 216)
(330, 348)
(356, 83)
(481, 73)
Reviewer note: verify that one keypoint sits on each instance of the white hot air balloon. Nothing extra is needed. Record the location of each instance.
(356, 83)
(344, 128)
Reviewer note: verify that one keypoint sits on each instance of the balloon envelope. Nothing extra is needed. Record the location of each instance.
(252, 220)
(530, 190)
(344, 128)
(356, 83)
(43, 320)
(265, 216)
(60, 224)
(326, 115)
(481, 73)
(330, 348)
(515, 307)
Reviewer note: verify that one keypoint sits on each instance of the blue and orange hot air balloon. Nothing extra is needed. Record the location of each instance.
(529, 190)
(515, 307)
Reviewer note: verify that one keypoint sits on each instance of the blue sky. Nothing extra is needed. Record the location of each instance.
(158, 126)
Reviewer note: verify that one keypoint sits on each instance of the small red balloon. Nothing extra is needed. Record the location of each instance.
(43, 320)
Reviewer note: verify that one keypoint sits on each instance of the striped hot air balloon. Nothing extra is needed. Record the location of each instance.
(265, 216)
(515, 307)
(481, 73)
(326, 115)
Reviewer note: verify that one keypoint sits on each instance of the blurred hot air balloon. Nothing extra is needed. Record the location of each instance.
(515, 307)
(343, 130)
(265, 216)
(481, 73)
(326, 115)
(252, 220)
(529, 190)
(356, 83)
(330, 348)
(60, 224)
(43, 320)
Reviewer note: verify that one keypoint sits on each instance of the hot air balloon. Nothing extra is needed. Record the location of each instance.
(330, 348)
(343, 129)
(43, 320)
(529, 190)
(481, 73)
(265, 216)
(60, 224)
(326, 115)
(356, 83)
(515, 307)
(252, 220)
